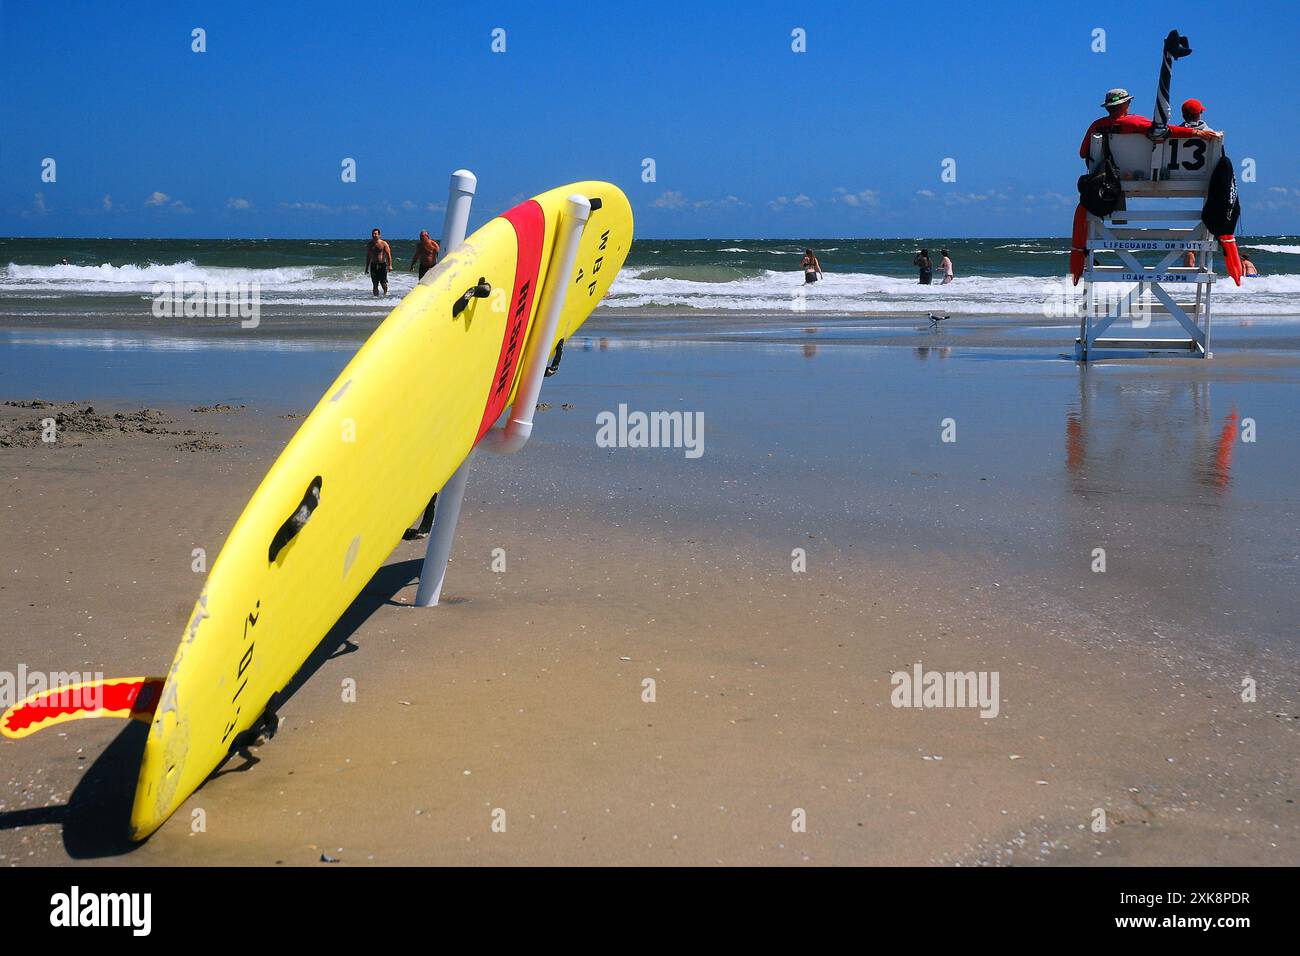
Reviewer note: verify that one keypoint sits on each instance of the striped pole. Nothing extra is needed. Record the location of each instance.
(1176, 48)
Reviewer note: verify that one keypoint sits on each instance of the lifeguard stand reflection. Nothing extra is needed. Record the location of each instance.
(1133, 430)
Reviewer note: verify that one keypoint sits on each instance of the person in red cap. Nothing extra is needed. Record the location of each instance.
(1192, 112)
(1119, 120)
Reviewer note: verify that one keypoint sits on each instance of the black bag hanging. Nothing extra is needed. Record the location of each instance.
(1222, 208)
(1100, 190)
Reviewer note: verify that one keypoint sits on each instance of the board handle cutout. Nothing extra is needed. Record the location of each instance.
(480, 291)
(295, 522)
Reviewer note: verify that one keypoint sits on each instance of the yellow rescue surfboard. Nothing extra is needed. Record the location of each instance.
(393, 427)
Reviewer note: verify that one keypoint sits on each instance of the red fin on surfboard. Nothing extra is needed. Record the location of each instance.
(127, 697)
(1231, 257)
(1079, 243)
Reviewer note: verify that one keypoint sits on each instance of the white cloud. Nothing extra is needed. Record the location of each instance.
(955, 198)
(866, 197)
(670, 200)
(726, 202)
(1051, 198)
(37, 209)
(675, 200)
(163, 201)
(786, 202)
(108, 203)
(1281, 198)
(238, 202)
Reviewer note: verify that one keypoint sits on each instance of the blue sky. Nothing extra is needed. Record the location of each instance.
(749, 138)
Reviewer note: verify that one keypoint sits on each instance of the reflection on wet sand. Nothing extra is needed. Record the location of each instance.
(1148, 481)
(1121, 428)
(1218, 474)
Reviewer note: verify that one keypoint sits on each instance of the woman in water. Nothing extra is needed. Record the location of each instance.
(922, 261)
(812, 269)
(945, 266)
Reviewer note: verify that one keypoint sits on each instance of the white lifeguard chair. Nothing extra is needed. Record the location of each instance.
(1172, 179)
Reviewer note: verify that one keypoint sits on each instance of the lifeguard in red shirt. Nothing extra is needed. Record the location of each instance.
(1120, 120)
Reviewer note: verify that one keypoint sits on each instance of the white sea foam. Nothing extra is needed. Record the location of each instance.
(337, 288)
(120, 342)
(36, 281)
(133, 275)
(1288, 250)
(774, 291)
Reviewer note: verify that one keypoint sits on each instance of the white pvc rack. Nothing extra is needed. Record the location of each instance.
(519, 424)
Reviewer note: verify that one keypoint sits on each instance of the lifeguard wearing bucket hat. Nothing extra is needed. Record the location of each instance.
(1119, 120)
(1116, 97)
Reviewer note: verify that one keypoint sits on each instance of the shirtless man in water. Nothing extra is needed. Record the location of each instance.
(426, 250)
(379, 259)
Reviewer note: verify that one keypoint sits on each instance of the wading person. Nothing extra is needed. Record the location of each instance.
(945, 266)
(924, 266)
(812, 269)
(379, 259)
(426, 251)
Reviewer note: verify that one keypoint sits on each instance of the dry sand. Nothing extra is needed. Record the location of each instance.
(523, 692)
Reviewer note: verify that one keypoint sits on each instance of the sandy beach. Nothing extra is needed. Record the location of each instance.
(846, 497)
(522, 698)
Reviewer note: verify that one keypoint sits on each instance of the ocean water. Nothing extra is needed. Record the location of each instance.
(994, 276)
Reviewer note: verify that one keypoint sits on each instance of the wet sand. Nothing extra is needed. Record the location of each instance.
(1119, 691)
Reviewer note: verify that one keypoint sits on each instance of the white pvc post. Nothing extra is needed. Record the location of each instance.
(577, 209)
(441, 537)
(459, 198)
(447, 512)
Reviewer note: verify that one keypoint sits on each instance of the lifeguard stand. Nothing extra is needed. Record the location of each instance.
(1172, 178)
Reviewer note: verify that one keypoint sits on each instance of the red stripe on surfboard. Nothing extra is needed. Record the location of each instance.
(529, 221)
(102, 697)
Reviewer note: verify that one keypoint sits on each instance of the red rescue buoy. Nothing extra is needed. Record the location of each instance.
(1231, 257)
(1079, 243)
